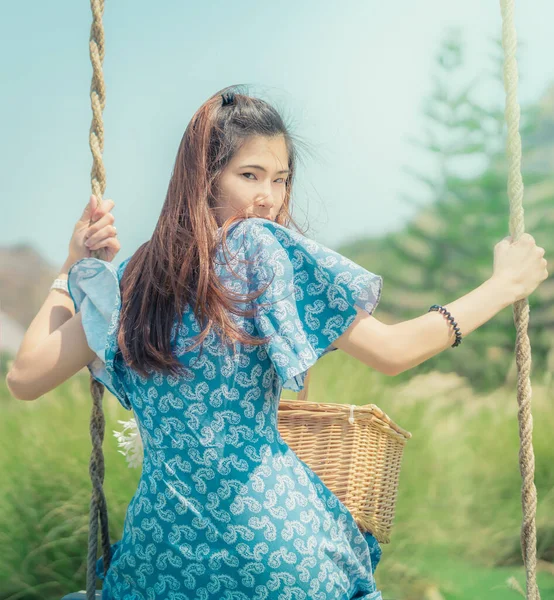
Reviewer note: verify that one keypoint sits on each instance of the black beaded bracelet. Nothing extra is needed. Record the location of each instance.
(443, 310)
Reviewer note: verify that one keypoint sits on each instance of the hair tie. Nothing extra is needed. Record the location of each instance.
(228, 98)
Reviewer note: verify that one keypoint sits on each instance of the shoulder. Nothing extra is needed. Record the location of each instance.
(270, 244)
(258, 231)
(263, 238)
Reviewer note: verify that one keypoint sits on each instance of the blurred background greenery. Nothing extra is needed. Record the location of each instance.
(458, 518)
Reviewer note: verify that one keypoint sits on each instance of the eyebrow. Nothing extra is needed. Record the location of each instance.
(262, 169)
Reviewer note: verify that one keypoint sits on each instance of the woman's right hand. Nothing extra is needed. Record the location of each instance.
(100, 235)
(520, 265)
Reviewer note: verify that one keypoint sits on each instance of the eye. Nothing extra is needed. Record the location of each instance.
(284, 180)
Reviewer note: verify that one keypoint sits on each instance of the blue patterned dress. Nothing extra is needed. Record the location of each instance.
(224, 509)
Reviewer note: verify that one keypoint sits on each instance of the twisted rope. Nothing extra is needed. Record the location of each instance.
(98, 506)
(520, 308)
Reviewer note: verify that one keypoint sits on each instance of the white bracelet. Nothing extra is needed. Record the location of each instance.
(60, 284)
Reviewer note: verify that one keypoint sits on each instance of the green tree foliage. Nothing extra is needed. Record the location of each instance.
(447, 248)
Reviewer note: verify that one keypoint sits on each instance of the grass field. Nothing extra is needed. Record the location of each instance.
(458, 515)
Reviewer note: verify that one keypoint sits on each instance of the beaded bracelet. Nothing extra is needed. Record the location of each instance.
(443, 310)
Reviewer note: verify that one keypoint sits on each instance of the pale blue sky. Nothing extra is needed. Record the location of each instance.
(351, 80)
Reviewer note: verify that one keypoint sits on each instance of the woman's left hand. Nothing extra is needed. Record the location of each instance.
(101, 234)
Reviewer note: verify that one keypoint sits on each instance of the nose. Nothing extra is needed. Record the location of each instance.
(265, 201)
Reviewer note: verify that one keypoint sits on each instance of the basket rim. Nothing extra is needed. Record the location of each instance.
(331, 409)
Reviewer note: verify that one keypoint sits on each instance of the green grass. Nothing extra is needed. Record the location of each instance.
(458, 515)
(435, 570)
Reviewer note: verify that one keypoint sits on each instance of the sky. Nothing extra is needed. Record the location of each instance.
(350, 78)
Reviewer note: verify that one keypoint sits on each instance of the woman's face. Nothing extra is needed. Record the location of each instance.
(249, 190)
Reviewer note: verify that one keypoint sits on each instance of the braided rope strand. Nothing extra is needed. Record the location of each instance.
(98, 505)
(521, 307)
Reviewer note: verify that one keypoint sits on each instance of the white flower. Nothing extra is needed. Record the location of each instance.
(131, 443)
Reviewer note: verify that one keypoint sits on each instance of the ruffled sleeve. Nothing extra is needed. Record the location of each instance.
(93, 285)
(312, 297)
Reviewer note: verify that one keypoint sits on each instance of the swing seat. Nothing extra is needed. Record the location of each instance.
(82, 595)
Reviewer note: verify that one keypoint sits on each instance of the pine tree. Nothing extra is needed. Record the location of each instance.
(447, 249)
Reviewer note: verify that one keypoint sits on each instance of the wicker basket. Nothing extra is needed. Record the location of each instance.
(355, 450)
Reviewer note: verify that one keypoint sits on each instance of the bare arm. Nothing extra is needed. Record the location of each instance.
(53, 349)
(393, 349)
(419, 339)
(58, 307)
(54, 360)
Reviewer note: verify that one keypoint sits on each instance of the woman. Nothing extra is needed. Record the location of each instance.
(198, 333)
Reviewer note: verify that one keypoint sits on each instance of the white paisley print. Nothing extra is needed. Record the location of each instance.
(224, 509)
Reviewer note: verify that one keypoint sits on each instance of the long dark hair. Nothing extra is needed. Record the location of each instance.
(175, 266)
